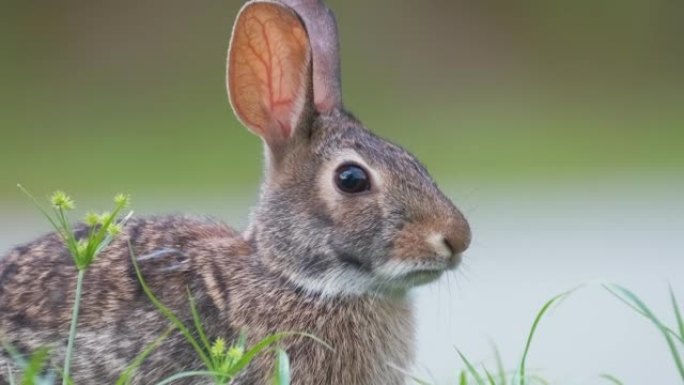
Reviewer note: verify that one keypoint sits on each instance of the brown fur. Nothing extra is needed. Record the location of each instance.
(234, 292)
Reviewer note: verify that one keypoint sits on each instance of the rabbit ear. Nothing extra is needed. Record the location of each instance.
(269, 70)
(322, 27)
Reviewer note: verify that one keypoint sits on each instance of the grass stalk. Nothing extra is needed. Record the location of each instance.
(10, 373)
(72, 328)
(633, 301)
(471, 369)
(282, 374)
(166, 312)
(612, 379)
(522, 374)
(178, 376)
(678, 315)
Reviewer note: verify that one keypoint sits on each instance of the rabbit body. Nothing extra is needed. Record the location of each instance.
(345, 225)
(234, 291)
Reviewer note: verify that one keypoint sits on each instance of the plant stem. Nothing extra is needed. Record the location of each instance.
(72, 329)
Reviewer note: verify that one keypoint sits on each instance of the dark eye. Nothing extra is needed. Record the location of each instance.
(352, 179)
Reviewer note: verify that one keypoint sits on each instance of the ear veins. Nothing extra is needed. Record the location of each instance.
(265, 40)
(270, 73)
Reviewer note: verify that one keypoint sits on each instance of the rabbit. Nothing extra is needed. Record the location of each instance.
(345, 225)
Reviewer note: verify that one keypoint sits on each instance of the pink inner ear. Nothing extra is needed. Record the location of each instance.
(269, 58)
(278, 60)
(278, 106)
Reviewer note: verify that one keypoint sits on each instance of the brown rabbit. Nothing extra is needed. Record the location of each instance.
(345, 225)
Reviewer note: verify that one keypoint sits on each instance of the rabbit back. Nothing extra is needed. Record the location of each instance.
(117, 320)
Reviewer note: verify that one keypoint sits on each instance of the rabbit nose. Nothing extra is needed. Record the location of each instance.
(458, 241)
(453, 241)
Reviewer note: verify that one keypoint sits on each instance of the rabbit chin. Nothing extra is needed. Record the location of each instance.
(420, 277)
(398, 275)
(391, 278)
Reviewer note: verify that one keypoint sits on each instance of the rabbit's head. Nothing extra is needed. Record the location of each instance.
(342, 211)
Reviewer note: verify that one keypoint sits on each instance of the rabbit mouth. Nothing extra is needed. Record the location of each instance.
(406, 274)
(421, 277)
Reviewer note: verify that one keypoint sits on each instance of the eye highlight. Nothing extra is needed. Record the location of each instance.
(351, 178)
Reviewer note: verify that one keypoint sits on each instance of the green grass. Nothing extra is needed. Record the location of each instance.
(102, 230)
(472, 374)
(674, 337)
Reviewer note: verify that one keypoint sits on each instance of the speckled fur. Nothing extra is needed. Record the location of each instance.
(234, 292)
(312, 260)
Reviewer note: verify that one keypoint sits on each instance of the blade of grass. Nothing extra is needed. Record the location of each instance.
(39, 206)
(35, 364)
(70, 381)
(523, 361)
(463, 378)
(282, 368)
(48, 379)
(409, 375)
(611, 379)
(242, 340)
(67, 233)
(198, 322)
(265, 343)
(14, 353)
(102, 238)
(178, 376)
(628, 297)
(72, 327)
(490, 378)
(10, 375)
(125, 377)
(499, 365)
(109, 237)
(166, 312)
(471, 369)
(678, 314)
(644, 313)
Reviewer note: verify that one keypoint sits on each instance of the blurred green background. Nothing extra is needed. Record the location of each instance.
(101, 97)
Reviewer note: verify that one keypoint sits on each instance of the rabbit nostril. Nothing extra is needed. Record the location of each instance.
(440, 245)
(448, 245)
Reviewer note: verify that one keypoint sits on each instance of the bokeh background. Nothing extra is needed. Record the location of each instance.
(557, 126)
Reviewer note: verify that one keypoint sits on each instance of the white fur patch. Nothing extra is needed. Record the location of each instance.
(436, 240)
(337, 282)
(393, 269)
(341, 281)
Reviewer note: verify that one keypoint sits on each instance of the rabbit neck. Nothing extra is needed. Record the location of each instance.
(368, 334)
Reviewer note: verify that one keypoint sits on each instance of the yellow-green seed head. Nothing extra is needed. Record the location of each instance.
(104, 217)
(62, 201)
(91, 219)
(122, 200)
(218, 348)
(235, 353)
(114, 229)
(81, 247)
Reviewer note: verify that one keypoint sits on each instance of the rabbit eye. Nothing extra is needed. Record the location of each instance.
(352, 179)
